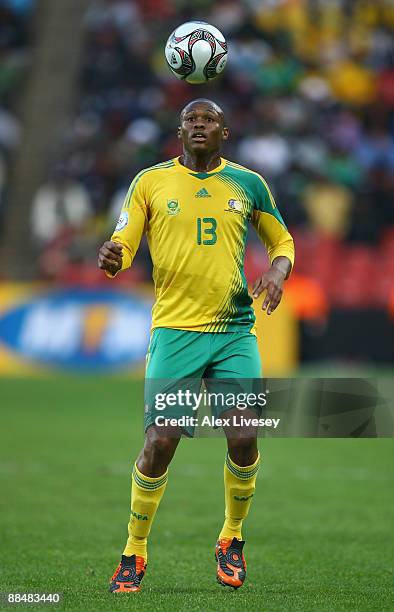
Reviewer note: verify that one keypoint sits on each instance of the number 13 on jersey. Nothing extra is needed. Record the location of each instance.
(206, 231)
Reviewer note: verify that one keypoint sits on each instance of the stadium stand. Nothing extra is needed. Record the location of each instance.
(15, 47)
(309, 93)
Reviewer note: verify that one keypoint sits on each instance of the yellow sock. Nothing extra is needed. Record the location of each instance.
(239, 487)
(146, 494)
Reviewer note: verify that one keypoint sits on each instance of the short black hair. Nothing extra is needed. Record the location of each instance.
(206, 101)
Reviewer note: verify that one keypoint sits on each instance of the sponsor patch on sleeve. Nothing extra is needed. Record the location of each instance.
(123, 221)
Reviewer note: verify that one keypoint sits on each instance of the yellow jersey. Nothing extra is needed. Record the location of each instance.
(196, 225)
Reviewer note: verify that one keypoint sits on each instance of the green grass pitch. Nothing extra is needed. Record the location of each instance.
(319, 535)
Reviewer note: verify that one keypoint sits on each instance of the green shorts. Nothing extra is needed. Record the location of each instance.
(179, 359)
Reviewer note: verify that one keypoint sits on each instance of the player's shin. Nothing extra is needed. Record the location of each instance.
(239, 488)
(146, 494)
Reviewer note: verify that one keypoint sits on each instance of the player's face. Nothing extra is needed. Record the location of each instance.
(202, 129)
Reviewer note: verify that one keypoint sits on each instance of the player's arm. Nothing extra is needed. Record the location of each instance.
(118, 253)
(273, 232)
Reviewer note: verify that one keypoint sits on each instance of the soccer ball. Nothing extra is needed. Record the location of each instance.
(196, 52)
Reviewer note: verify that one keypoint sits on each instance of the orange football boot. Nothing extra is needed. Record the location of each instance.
(128, 575)
(231, 568)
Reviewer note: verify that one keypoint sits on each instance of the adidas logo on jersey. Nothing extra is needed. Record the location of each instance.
(203, 193)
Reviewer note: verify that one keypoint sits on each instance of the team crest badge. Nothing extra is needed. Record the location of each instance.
(173, 207)
(234, 206)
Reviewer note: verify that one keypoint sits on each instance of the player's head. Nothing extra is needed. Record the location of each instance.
(202, 127)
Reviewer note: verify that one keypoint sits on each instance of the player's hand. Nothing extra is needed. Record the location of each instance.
(272, 281)
(110, 257)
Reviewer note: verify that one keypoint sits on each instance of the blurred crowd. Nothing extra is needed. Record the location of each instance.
(15, 17)
(308, 93)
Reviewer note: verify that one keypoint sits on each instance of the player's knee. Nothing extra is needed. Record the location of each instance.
(159, 447)
(243, 451)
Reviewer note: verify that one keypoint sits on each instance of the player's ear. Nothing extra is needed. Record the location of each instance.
(179, 132)
(225, 133)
